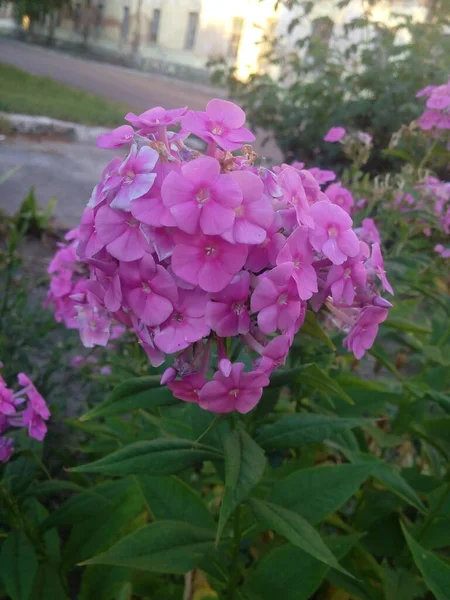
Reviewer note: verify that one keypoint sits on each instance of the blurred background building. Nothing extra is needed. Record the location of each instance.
(188, 33)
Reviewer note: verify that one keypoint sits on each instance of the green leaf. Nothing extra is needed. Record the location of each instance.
(48, 584)
(316, 492)
(171, 498)
(244, 467)
(400, 585)
(18, 565)
(289, 573)
(387, 475)
(400, 324)
(89, 503)
(132, 394)
(295, 431)
(311, 327)
(317, 378)
(103, 582)
(296, 530)
(103, 528)
(434, 570)
(157, 457)
(162, 547)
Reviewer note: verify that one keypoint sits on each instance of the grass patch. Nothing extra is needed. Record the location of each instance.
(21, 92)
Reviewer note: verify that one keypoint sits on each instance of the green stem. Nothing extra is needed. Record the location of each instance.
(427, 156)
(234, 571)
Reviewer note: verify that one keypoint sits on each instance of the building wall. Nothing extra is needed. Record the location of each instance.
(230, 28)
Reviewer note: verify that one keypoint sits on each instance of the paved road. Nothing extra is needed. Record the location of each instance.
(69, 171)
(140, 90)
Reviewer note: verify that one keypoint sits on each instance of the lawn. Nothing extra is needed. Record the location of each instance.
(21, 92)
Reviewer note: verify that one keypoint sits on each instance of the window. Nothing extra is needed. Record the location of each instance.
(99, 19)
(235, 39)
(267, 42)
(77, 16)
(153, 28)
(191, 31)
(125, 23)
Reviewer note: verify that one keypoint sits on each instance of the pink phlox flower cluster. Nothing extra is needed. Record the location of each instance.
(341, 196)
(25, 408)
(437, 112)
(207, 256)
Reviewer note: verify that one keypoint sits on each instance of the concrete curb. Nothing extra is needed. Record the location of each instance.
(65, 130)
(45, 126)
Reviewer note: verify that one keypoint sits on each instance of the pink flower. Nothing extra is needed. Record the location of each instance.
(6, 449)
(186, 325)
(189, 388)
(294, 193)
(222, 123)
(239, 391)
(340, 196)
(439, 99)
(322, 176)
(274, 354)
(368, 232)
(116, 138)
(201, 197)
(94, 326)
(376, 264)
(254, 216)
(298, 253)
(363, 333)
(335, 134)
(227, 313)
(89, 244)
(7, 406)
(152, 119)
(265, 255)
(276, 300)
(122, 234)
(35, 400)
(344, 278)
(332, 233)
(207, 261)
(37, 428)
(151, 292)
(134, 177)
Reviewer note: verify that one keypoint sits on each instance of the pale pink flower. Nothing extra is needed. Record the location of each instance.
(93, 325)
(35, 400)
(368, 232)
(121, 233)
(134, 178)
(363, 333)
(333, 234)
(200, 197)
(276, 300)
(207, 261)
(222, 123)
(186, 325)
(37, 428)
(335, 134)
(239, 391)
(227, 313)
(341, 196)
(439, 98)
(298, 253)
(116, 138)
